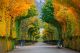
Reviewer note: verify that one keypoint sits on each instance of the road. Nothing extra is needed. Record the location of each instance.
(41, 48)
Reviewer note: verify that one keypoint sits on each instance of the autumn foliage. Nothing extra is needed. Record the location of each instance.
(9, 9)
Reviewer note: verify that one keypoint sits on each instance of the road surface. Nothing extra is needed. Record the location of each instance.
(41, 48)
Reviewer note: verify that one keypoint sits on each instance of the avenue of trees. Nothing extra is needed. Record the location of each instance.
(12, 14)
(65, 16)
(60, 20)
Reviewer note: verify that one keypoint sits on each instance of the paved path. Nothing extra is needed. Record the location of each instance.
(41, 48)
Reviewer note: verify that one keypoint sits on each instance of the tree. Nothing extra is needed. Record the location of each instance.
(48, 16)
(30, 27)
(31, 12)
(74, 4)
(33, 28)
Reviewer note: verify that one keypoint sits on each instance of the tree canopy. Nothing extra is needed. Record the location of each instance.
(48, 15)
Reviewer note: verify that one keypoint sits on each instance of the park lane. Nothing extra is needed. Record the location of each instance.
(41, 48)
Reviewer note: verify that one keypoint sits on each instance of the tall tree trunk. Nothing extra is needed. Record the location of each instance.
(11, 26)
